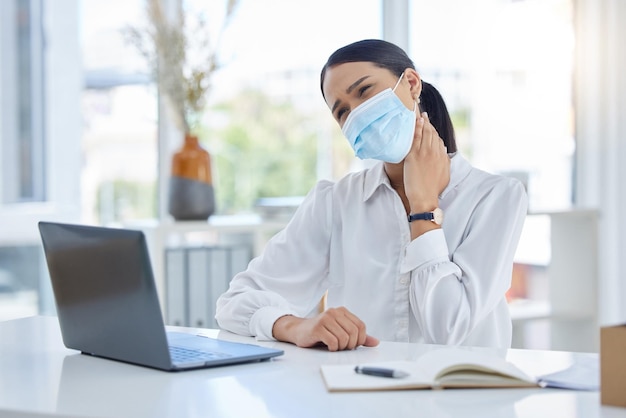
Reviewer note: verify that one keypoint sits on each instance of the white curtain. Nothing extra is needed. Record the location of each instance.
(600, 115)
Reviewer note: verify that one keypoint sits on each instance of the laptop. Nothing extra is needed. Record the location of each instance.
(107, 303)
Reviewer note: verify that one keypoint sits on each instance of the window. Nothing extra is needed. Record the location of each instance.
(39, 153)
(266, 115)
(22, 160)
(119, 109)
(505, 69)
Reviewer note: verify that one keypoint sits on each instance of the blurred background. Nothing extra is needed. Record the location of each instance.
(83, 138)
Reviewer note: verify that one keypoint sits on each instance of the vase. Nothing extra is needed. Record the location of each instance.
(191, 194)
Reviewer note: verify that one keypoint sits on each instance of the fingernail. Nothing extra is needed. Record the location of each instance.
(425, 114)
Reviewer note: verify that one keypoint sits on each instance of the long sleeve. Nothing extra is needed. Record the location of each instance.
(453, 290)
(290, 277)
(351, 239)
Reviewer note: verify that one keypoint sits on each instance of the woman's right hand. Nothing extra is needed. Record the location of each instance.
(336, 328)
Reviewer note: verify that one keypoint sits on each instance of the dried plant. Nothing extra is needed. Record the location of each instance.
(183, 56)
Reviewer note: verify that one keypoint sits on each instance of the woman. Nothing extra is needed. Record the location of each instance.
(375, 241)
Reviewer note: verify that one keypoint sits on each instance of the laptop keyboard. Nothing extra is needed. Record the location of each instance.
(184, 355)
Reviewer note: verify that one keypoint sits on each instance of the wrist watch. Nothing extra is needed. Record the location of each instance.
(435, 216)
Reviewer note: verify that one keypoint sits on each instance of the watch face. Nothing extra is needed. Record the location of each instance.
(438, 216)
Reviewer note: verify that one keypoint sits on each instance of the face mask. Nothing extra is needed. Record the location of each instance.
(381, 127)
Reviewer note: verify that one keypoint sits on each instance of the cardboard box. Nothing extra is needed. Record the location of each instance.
(613, 365)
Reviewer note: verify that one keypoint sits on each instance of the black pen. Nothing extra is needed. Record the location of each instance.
(381, 372)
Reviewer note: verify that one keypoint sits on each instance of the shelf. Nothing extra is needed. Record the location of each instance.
(253, 230)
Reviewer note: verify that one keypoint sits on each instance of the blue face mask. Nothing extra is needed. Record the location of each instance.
(382, 127)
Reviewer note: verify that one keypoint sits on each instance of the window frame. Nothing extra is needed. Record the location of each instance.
(58, 121)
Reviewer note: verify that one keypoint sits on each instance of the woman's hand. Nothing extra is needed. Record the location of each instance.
(426, 167)
(337, 328)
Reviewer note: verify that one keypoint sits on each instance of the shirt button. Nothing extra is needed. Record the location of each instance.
(404, 281)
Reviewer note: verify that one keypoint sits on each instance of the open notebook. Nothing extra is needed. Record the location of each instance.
(438, 369)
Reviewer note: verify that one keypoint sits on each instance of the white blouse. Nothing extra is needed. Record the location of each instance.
(352, 239)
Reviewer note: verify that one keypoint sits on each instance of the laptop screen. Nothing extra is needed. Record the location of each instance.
(105, 294)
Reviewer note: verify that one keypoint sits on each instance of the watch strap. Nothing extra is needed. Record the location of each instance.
(424, 216)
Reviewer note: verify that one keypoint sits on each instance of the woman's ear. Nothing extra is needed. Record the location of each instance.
(415, 82)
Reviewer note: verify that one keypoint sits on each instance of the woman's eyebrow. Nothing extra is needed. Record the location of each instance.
(356, 84)
(349, 90)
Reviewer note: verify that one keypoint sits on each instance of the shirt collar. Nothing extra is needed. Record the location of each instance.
(459, 169)
(376, 176)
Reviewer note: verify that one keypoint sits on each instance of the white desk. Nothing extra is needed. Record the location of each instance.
(39, 376)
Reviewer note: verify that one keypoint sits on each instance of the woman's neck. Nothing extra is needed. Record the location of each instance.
(395, 173)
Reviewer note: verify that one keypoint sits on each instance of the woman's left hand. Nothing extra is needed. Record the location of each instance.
(426, 167)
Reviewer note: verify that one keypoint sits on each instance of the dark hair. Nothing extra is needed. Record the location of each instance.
(387, 55)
